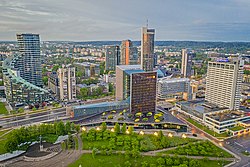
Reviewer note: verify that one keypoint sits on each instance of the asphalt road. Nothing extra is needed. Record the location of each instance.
(243, 161)
(33, 118)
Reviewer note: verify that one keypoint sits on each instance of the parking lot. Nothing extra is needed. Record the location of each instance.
(240, 143)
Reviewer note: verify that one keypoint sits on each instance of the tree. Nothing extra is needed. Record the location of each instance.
(84, 92)
(67, 127)
(20, 110)
(103, 126)
(77, 127)
(94, 151)
(127, 164)
(72, 126)
(111, 87)
(160, 161)
(144, 164)
(169, 161)
(55, 67)
(117, 128)
(60, 129)
(124, 128)
(131, 129)
(45, 80)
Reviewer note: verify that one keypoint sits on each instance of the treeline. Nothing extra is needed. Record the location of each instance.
(32, 133)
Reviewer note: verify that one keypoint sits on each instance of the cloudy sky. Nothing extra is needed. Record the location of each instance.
(88, 20)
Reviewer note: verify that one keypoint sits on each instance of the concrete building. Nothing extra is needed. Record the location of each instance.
(123, 78)
(143, 92)
(89, 69)
(53, 84)
(168, 88)
(223, 83)
(67, 83)
(112, 57)
(186, 65)
(30, 68)
(129, 54)
(147, 49)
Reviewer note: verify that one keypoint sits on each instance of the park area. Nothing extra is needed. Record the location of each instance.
(122, 146)
(3, 110)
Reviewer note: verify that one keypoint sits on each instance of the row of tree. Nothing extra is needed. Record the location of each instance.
(32, 133)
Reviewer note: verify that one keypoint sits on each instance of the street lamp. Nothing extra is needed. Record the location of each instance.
(170, 135)
(98, 128)
(112, 130)
(127, 132)
(141, 133)
(156, 134)
(84, 129)
(184, 136)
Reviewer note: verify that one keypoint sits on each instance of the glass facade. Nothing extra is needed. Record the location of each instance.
(143, 92)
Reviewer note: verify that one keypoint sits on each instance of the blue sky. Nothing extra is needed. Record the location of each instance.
(88, 20)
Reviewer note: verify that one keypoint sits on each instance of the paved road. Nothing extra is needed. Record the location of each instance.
(33, 118)
(242, 161)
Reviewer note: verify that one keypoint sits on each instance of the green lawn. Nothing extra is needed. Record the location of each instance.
(3, 140)
(3, 132)
(237, 128)
(3, 110)
(86, 160)
(76, 143)
(204, 128)
(149, 142)
(51, 138)
(204, 148)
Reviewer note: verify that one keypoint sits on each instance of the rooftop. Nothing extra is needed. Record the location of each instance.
(129, 67)
(228, 115)
(172, 80)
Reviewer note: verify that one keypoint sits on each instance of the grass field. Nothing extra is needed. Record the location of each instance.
(2, 143)
(204, 148)
(86, 160)
(3, 110)
(222, 135)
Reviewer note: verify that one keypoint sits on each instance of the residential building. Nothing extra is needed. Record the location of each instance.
(30, 68)
(19, 91)
(147, 49)
(53, 84)
(168, 88)
(129, 54)
(67, 82)
(89, 69)
(223, 83)
(186, 65)
(123, 78)
(143, 92)
(112, 57)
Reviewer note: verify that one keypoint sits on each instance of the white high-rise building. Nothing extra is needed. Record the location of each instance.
(67, 82)
(223, 84)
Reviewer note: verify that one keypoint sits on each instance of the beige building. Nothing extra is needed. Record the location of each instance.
(67, 82)
(223, 84)
(147, 49)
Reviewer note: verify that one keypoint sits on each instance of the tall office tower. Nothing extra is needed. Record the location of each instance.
(143, 92)
(186, 65)
(223, 83)
(112, 57)
(67, 82)
(31, 69)
(147, 49)
(123, 74)
(129, 54)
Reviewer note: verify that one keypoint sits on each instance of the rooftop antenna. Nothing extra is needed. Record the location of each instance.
(147, 23)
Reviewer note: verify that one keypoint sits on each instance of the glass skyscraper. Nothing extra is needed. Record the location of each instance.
(29, 48)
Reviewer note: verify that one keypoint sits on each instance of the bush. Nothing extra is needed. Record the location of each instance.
(110, 117)
(130, 115)
(145, 119)
(121, 119)
(137, 120)
(149, 114)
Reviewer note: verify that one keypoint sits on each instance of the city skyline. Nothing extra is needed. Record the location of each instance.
(178, 20)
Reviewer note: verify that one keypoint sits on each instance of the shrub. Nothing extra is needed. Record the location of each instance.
(145, 119)
(110, 117)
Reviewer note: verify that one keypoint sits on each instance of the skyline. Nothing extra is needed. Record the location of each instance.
(110, 20)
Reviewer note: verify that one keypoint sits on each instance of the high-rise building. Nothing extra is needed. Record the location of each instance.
(186, 65)
(143, 92)
(147, 49)
(30, 69)
(67, 82)
(123, 75)
(223, 83)
(129, 54)
(112, 57)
